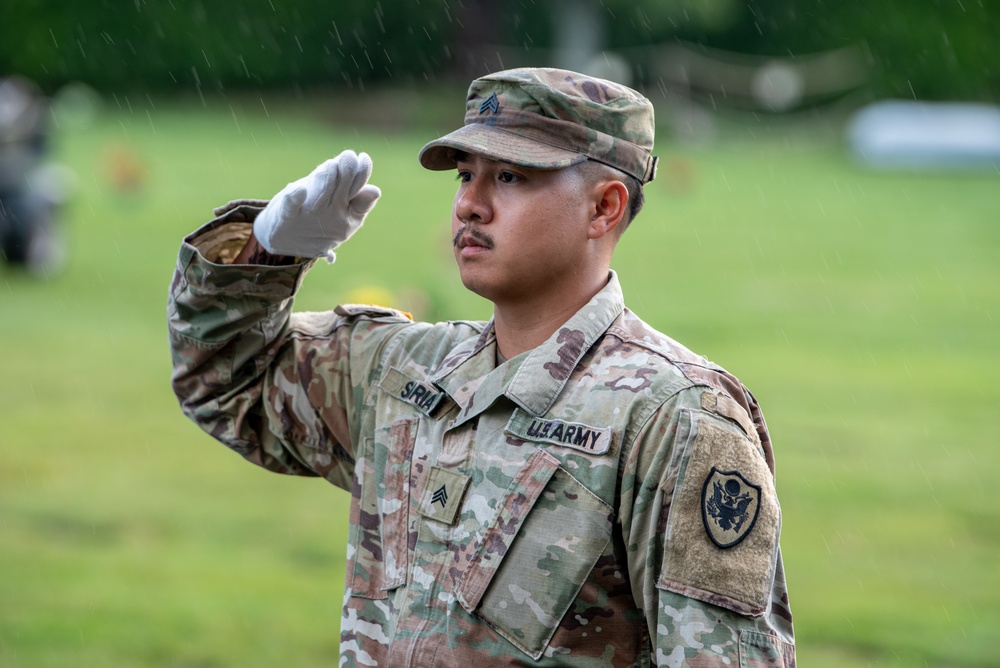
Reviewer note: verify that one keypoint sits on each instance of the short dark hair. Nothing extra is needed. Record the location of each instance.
(593, 170)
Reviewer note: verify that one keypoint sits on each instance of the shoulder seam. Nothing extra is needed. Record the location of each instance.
(664, 353)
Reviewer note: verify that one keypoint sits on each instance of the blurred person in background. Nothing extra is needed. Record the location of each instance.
(560, 485)
(28, 200)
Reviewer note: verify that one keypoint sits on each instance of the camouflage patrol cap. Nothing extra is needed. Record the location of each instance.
(549, 119)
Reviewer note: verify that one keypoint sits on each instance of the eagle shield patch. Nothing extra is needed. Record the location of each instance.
(729, 507)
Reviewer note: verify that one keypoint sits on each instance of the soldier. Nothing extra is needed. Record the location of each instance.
(561, 485)
(28, 198)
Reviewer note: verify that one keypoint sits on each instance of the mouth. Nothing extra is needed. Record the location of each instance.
(470, 240)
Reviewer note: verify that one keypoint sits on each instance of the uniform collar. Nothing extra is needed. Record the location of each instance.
(535, 379)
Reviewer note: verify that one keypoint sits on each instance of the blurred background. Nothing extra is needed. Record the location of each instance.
(825, 224)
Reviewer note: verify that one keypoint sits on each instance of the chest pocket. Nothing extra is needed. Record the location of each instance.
(380, 511)
(534, 558)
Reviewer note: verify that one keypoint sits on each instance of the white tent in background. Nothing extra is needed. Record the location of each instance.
(929, 135)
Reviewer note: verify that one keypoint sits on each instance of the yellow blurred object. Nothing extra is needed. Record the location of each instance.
(124, 168)
(370, 294)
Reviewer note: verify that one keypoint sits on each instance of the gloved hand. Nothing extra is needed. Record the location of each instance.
(312, 216)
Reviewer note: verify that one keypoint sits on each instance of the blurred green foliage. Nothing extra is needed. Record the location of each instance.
(933, 49)
(189, 44)
(940, 49)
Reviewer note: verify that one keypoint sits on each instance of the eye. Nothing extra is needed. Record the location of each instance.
(508, 177)
(464, 175)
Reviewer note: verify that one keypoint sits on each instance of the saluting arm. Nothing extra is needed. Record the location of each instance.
(272, 386)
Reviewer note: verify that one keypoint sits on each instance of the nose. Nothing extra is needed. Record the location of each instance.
(472, 202)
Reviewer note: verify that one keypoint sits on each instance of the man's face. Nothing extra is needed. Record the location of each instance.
(519, 234)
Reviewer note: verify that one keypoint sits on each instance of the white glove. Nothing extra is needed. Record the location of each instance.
(312, 216)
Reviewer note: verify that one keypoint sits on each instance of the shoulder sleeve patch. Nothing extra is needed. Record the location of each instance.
(723, 523)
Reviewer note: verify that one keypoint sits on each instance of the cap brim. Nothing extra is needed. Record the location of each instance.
(496, 144)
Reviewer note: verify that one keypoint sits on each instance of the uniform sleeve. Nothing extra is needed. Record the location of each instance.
(278, 388)
(701, 522)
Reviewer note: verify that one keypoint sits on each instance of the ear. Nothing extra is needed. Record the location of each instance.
(610, 205)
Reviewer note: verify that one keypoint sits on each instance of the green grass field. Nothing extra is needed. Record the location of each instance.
(861, 308)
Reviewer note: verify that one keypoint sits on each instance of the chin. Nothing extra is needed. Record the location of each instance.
(477, 285)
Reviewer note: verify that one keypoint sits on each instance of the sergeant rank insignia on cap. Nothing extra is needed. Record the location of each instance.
(491, 104)
(729, 505)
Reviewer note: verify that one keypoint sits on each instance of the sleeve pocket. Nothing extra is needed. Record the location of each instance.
(762, 650)
(536, 555)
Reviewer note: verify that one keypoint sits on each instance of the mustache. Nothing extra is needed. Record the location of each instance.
(480, 237)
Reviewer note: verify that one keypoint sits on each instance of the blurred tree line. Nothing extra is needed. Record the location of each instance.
(933, 49)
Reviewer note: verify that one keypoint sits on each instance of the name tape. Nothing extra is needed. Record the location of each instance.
(424, 397)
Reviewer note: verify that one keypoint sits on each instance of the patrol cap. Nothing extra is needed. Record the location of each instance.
(549, 119)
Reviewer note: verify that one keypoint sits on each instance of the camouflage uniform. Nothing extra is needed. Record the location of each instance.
(606, 499)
